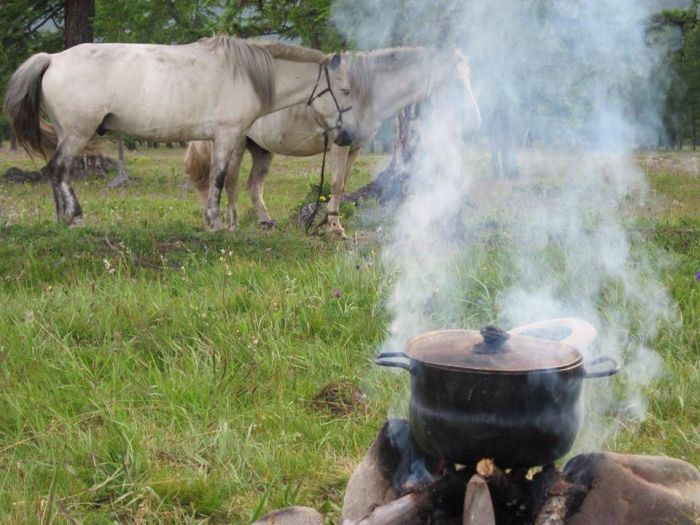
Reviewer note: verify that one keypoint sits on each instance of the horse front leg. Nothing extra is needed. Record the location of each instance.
(222, 151)
(342, 159)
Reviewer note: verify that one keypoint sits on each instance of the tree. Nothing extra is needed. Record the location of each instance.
(78, 19)
(30, 26)
(307, 22)
(682, 112)
(391, 183)
(162, 22)
(26, 27)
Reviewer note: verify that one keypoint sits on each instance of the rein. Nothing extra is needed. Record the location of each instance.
(310, 220)
(322, 68)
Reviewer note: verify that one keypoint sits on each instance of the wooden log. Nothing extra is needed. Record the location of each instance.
(502, 486)
(122, 178)
(564, 497)
(414, 507)
(478, 507)
(411, 508)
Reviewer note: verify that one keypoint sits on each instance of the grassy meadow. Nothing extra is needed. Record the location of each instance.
(154, 372)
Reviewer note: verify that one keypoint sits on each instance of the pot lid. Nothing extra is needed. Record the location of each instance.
(491, 350)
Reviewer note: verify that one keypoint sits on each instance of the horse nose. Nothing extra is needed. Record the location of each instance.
(345, 137)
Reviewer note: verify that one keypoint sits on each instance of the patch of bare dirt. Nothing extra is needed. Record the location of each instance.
(340, 398)
(86, 167)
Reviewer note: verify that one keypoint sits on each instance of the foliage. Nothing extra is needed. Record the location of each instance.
(682, 112)
(304, 21)
(166, 22)
(26, 27)
(30, 26)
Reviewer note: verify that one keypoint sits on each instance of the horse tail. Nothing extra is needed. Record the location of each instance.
(23, 104)
(198, 164)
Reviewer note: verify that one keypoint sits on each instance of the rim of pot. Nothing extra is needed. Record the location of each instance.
(578, 364)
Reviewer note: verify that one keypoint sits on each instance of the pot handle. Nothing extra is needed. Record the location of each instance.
(612, 370)
(388, 359)
(567, 330)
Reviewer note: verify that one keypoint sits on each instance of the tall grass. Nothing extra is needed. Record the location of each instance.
(153, 372)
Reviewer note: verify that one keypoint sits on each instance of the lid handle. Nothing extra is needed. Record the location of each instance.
(494, 341)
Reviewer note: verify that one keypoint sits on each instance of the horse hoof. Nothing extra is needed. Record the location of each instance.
(214, 222)
(75, 222)
(268, 225)
(336, 230)
(216, 226)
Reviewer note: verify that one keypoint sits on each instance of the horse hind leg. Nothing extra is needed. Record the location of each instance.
(67, 206)
(223, 149)
(234, 168)
(256, 182)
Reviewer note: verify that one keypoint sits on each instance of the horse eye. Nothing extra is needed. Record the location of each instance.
(345, 91)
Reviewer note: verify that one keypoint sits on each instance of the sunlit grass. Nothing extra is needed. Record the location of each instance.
(153, 372)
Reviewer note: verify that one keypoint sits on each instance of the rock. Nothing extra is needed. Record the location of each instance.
(19, 176)
(634, 489)
(369, 485)
(292, 516)
(84, 167)
(307, 211)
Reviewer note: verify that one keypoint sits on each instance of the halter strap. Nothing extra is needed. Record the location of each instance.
(326, 131)
(322, 68)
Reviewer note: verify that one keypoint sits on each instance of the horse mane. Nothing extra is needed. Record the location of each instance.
(256, 58)
(256, 62)
(364, 64)
(292, 52)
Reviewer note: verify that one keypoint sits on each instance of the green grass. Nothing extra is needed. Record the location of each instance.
(153, 372)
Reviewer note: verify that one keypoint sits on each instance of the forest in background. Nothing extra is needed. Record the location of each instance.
(30, 26)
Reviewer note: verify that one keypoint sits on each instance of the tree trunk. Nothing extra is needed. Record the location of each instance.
(693, 131)
(122, 178)
(391, 183)
(13, 140)
(503, 160)
(77, 29)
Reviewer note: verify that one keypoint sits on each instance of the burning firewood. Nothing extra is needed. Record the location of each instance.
(478, 507)
(446, 494)
(406, 510)
(564, 498)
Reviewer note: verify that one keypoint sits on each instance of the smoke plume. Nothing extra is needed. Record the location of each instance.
(575, 81)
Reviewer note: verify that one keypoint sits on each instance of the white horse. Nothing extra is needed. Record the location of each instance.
(384, 81)
(213, 90)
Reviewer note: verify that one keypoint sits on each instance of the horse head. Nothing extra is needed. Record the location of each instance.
(332, 101)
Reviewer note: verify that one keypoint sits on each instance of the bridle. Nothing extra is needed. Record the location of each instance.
(322, 68)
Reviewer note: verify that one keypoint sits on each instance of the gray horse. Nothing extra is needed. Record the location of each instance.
(213, 90)
(383, 82)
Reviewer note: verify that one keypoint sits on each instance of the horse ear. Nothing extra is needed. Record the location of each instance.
(335, 61)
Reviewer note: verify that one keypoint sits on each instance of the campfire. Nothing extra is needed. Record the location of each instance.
(433, 491)
(490, 413)
(397, 483)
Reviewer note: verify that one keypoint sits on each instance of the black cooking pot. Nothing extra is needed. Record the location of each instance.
(513, 397)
